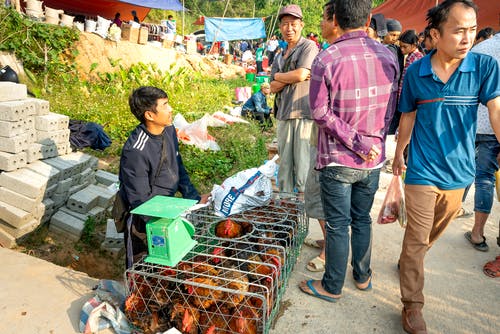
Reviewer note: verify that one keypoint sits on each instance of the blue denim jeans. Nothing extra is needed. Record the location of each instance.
(347, 195)
(487, 148)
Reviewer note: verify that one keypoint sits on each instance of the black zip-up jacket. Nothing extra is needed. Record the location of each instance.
(139, 165)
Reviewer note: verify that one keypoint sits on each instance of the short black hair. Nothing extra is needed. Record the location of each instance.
(485, 33)
(170, 17)
(143, 99)
(438, 15)
(352, 16)
(409, 37)
(330, 9)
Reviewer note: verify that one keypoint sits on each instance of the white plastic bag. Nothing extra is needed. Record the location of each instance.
(195, 133)
(245, 190)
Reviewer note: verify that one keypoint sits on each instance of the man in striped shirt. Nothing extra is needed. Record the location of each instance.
(353, 92)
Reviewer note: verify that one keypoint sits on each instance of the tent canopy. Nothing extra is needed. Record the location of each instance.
(231, 29)
(412, 13)
(158, 4)
(104, 8)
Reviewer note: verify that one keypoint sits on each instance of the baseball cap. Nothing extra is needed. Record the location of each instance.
(293, 10)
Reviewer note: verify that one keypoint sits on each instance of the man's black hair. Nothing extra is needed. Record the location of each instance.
(438, 15)
(143, 99)
(409, 37)
(351, 15)
(330, 9)
(485, 33)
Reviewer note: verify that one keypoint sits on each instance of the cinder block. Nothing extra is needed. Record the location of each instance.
(12, 161)
(63, 186)
(63, 222)
(14, 216)
(33, 152)
(22, 230)
(10, 91)
(30, 136)
(86, 175)
(19, 201)
(66, 169)
(93, 163)
(80, 160)
(63, 148)
(52, 174)
(97, 213)
(25, 182)
(51, 122)
(49, 151)
(42, 209)
(52, 137)
(6, 240)
(14, 111)
(42, 107)
(106, 196)
(76, 188)
(105, 178)
(11, 128)
(29, 122)
(14, 144)
(51, 191)
(59, 200)
(111, 232)
(83, 201)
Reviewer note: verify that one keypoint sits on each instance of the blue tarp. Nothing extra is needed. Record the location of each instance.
(231, 29)
(174, 5)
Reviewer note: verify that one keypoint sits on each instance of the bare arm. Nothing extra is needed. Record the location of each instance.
(405, 129)
(294, 76)
(277, 86)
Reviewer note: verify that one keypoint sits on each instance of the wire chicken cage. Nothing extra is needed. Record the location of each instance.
(232, 281)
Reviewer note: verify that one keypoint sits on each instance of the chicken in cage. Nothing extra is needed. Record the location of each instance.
(231, 282)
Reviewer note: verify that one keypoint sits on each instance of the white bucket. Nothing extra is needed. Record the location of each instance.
(52, 19)
(34, 5)
(53, 12)
(67, 20)
(90, 25)
(79, 25)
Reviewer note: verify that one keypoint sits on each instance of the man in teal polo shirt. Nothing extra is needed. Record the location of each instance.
(439, 103)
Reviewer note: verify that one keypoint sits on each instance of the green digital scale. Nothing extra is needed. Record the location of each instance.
(169, 235)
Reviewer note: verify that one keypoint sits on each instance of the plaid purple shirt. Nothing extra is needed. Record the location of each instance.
(353, 90)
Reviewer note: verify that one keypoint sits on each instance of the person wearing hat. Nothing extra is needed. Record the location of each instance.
(290, 75)
(394, 29)
(256, 106)
(378, 28)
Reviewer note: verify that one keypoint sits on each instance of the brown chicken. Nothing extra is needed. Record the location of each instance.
(228, 229)
(245, 318)
(197, 268)
(236, 281)
(203, 297)
(267, 270)
(185, 317)
(216, 321)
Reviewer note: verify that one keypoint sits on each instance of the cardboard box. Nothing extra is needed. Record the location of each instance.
(129, 33)
(143, 35)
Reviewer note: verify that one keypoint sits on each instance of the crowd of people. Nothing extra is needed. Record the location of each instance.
(438, 91)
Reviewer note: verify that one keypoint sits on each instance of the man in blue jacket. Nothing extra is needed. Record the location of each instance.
(256, 106)
(150, 164)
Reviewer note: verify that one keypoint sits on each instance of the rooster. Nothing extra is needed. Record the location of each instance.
(236, 281)
(228, 229)
(203, 297)
(244, 319)
(263, 269)
(185, 317)
(216, 321)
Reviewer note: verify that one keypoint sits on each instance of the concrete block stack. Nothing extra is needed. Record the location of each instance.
(41, 180)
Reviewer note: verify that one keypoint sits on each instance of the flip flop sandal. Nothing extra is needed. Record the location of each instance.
(311, 242)
(480, 246)
(492, 268)
(313, 292)
(316, 264)
(367, 288)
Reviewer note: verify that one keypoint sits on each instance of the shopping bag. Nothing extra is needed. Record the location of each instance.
(393, 208)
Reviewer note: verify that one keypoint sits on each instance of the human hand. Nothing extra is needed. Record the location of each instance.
(204, 198)
(372, 155)
(398, 165)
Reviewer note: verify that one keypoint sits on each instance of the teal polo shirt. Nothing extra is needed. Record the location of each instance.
(441, 151)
